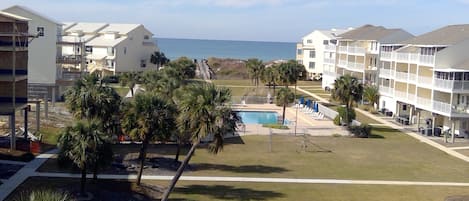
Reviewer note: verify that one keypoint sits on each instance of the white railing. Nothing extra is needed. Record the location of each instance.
(442, 107)
(386, 73)
(401, 76)
(427, 59)
(330, 48)
(400, 94)
(329, 60)
(411, 97)
(328, 73)
(451, 84)
(343, 49)
(424, 102)
(352, 50)
(343, 63)
(425, 80)
(385, 90)
(356, 66)
(386, 55)
(412, 77)
(407, 57)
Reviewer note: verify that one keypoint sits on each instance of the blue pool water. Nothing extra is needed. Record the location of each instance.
(255, 117)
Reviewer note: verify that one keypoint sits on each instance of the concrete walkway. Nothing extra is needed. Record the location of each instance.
(28, 170)
(421, 138)
(261, 180)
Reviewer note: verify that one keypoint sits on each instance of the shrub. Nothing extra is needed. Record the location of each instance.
(343, 113)
(40, 195)
(362, 131)
(275, 126)
(337, 120)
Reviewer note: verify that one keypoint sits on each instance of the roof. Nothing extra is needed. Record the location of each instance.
(333, 33)
(75, 39)
(371, 32)
(120, 28)
(105, 42)
(24, 8)
(87, 27)
(448, 35)
(13, 16)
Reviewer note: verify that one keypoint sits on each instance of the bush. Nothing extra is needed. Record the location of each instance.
(343, 113)
(337, 120)
(40, 195)
(362, 131)
(275, 126)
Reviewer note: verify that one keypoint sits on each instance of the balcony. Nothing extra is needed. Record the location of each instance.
(402, 76)
(68, 60)
(427, 60)
(387, 56)
(412, 77)
(424, 102)
(400, 95)
(352, 50)
(451, 85)
(342, 63)
(329, 60)
(386, 73)
(329, 73)
(386, 90)
(330, 48)
(442, 107)
(356, 66)
(425, 81)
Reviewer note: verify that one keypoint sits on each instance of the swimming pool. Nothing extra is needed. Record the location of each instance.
(258, 117)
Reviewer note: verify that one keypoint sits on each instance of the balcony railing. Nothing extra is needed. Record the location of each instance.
(442, 107)
(388, 73)
(386, 90)
(412, 77)
(386, 55)
(451, 84)
(427, 59)
(329, 60)
(400, 94)
(356, 66)
(402, 76)
(425, 102)
(330, 48)
(428, 81)
(343, 63)
(352, 50)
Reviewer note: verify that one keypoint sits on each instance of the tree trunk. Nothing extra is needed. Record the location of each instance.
(95, 171)
(143, 154)
(83, 180)
(132, 91)
(283, 116)
(178, 151)
(179, 171)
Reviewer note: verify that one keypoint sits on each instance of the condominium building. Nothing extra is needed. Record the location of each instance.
(107, 48)
(42, 65)
(357, 52)
(13, 67)
(426, 79)
(311, 51)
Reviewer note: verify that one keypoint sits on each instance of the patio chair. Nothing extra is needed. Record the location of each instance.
(319, 117)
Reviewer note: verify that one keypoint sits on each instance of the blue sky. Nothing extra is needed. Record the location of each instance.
(259, 20)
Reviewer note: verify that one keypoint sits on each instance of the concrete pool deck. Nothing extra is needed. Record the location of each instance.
(305, 123)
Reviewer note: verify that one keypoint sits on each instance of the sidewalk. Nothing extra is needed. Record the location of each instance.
(28, 170)
(430, 142)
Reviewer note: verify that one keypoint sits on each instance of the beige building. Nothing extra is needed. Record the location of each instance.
(358, 52)
(425, 80)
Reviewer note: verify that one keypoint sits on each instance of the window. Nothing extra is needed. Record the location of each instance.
(312, 65)
(334, 42)
(110, 63)
(89, 49)
(312, 54)
(309, 41)
(40, 31)
(325, 42)
(143, 63)
(146, 37)
(299, 52)
(404, 107)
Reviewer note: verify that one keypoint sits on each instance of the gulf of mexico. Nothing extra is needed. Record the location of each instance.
(198, 49)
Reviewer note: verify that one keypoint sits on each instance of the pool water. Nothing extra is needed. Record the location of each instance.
(256, 117)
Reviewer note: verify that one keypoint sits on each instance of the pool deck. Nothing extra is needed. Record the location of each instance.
(306, 124)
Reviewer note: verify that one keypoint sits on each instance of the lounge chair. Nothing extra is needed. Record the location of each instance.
(319, 117)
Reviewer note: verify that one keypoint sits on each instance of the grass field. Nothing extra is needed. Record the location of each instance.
(49, 134)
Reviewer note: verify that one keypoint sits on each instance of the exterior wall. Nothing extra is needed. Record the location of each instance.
(316, 44)
(42, 50)
(388, 103)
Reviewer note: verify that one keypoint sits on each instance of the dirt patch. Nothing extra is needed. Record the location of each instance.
(228, 69)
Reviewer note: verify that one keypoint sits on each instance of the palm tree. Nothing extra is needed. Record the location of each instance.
(148, 118)
(284, 97)
(290, 72)
(371, 94)
(90, 99)
(159, 59)
(130, 79)
(347, 90)
(255, 68)
(204, 112)
(184, 66)
(80, 143)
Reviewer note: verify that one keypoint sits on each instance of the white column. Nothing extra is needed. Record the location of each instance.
(452, 131)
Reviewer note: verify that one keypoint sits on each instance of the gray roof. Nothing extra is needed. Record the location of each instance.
(32, 12)
(378, 33)
(448, 35)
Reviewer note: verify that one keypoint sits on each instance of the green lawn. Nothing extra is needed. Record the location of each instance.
(234, 82)
(190, 190)
(49, 134)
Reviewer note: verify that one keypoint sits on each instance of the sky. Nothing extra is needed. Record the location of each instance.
(254, 20)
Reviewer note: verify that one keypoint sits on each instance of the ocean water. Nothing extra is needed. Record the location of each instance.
(198, 49)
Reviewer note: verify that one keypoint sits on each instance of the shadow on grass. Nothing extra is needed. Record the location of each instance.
(375, 136)
(238, 169)
(224, 192)
(383, 129)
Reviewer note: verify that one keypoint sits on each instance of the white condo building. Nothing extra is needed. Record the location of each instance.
(357, 53)
(425, 80)
(108, 48)
(311, 51)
